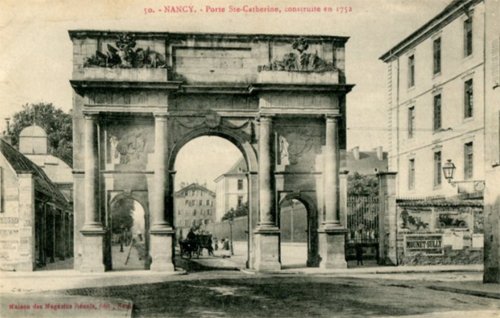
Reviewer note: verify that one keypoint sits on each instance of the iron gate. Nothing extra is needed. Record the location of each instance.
(362, 226)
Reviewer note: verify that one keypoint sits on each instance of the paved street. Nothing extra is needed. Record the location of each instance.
(234, 294)
(214, 287)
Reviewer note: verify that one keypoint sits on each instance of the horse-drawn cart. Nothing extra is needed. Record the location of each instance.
(196, 245)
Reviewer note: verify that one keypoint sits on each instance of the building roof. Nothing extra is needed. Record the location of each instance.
(33, 131)
(452, 10)
(194, 186)
(56, 169)
(21, 164)
(239, 168)
(368, 162)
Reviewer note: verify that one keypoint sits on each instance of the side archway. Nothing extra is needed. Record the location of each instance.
(312, 224)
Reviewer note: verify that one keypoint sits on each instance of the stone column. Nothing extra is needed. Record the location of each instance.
(61, 237)
(92, 230)
(54, 236)
(332, 233)
(266, 242)
(162, 233)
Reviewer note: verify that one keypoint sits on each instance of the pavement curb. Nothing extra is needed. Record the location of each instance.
(478, 293)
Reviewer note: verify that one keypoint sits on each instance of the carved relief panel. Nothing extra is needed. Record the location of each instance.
(128, 144)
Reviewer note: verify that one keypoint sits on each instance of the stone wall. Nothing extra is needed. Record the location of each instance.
(439, 232)
(17, 242)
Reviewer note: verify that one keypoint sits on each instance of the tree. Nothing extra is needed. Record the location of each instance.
(362, 185)
(57, 124)
(121, 215)
(242, 210)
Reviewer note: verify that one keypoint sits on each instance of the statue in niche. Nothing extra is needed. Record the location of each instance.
(115, 156)
(283, 151)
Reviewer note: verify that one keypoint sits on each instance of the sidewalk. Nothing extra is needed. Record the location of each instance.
(27, 282)
(469, 288)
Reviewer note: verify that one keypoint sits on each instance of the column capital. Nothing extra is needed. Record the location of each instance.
(332, 117)
(265, 117)
(90, 114)
(161, 115)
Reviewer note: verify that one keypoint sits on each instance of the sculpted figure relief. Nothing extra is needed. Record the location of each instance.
(125, 55)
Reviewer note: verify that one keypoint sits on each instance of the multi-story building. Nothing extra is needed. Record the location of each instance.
(194, 206)
(436, 102)
(492, 141)
(231, 189)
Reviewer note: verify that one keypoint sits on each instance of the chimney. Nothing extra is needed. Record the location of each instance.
(380, 153)
(6, 134)
(355, 152)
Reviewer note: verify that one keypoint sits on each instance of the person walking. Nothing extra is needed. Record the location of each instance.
(359, 253)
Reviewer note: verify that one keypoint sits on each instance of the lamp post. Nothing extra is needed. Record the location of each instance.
(231, 219)
(448, 171)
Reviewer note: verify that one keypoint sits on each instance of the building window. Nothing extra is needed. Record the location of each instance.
(411, 174)
(468, 37)
(200, 202)
(194, 212)
(187, 202)
(208, 202)
(437, 168)
(468, 160)
(436, 46)
(411, 71)
(411, 121)
(437, 112)
(240, 184)
(468, 99)
(240, 200)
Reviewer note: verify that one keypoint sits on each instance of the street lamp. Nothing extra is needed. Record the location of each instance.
(231, 219)
(448, 171)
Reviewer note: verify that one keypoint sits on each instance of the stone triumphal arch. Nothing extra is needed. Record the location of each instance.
(140, 96)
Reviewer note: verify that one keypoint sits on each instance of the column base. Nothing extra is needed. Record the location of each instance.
(267, 249)
(332, 248)
(92, 251)
(161, 249)
(491, 275)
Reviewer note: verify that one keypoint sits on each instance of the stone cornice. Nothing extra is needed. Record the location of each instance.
(80, 86)
(82, 34)
(276, 87)
(448, 14)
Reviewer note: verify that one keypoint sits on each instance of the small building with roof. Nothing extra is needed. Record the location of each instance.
(36, 222)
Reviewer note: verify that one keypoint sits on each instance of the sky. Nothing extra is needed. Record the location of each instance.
(36, 52)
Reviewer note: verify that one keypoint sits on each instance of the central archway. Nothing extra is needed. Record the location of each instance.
(241, 227)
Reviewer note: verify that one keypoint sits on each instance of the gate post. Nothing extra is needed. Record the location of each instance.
(387, 219)
(267, 234)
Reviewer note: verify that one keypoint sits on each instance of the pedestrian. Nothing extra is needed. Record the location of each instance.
(359, 253)
(216, 244)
